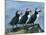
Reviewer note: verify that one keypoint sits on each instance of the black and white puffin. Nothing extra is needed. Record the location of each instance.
(33, 19)
(15, 19)
(35, 16)
(24, 17)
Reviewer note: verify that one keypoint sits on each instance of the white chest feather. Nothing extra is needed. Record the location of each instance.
(28, 16)
(19, 18)
(36, 21)
(38, 16)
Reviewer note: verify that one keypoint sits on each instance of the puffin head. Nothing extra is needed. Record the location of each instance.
(18, 12)
(28, 10)
(37, 10)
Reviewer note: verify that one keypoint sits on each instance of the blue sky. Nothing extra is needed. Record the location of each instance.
(12, 6)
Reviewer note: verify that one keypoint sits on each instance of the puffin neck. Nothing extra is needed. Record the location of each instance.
(36, 13)
(17, 15)
(26, 13)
